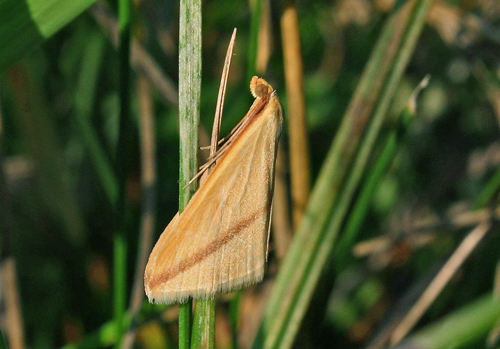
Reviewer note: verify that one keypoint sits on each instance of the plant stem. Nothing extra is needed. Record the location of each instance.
(189, 118)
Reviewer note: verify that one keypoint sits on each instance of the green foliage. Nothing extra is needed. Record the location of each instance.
(26, 24)
(388, 169)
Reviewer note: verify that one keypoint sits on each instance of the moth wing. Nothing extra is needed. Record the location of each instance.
(219, 243)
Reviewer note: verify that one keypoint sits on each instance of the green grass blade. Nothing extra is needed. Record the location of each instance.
(189, 119)
(375, 174)
(204, 324)
(464, 326)
(314, 239)
(30, 22)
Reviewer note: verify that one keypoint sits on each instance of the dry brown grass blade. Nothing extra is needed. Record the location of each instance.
(222, 94)
(299, 147)
(12, 304)
(214, 140)
(282, 231)
(264, 45)
(440, 281)
(454, 222)
(281, 215)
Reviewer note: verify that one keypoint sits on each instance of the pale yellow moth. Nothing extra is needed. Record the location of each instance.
(219, 242)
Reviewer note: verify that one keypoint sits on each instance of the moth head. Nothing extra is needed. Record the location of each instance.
(260, 87)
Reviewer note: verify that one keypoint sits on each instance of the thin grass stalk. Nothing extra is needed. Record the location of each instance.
(203, 335)
(314, 239)
(122, 166)
(189, 119)
(297, 125)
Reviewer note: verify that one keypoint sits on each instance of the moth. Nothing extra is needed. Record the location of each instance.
(219, 243)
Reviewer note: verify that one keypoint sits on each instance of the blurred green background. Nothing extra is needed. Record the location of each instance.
(59, 108)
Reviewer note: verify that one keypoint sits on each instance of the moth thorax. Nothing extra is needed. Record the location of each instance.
(261, 90)
(259, 87)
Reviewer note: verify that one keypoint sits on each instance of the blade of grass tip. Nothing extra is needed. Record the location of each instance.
(464, 326)
(255, 14)
(316, 234)
(458, 257)
(148, 184)
(297, 125)
(122, 169)
(203, 335)
(360, 208)
(221, 96)
(189, 120)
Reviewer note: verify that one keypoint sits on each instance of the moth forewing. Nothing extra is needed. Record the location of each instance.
(219, 242)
